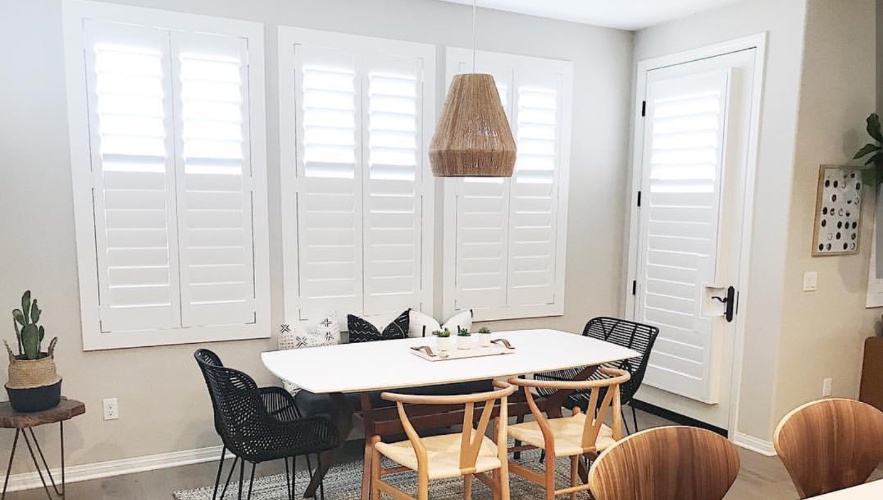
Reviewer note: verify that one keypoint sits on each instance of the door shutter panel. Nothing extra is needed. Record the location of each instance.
(534, 191)
(128, 80)
(215, 188)
(393, 134)
(329, 177)
(685, 126)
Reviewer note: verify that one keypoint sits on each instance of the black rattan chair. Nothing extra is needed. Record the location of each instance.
(637, 336)
(259, 424)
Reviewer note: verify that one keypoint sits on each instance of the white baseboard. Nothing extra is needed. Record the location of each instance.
(85, 472)
(754, 444)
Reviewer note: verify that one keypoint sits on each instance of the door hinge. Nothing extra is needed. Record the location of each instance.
(635, 287)
(639, 199)
(644, 109)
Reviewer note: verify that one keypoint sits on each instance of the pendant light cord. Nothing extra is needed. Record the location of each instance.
(474, 12)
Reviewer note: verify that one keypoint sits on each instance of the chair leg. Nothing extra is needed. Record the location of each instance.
(288, 479)
(375, 474)
(321, 483)
(625, 423)
(550, 477)
(218, 477)
(574, 474)
(229, 476)
(517, 455)
(635, 417)
(251, 481)
(241, 477)
(542, 456)
(467, 487)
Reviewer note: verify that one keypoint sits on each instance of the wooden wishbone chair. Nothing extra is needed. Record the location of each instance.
(666, 463)
(830, 445)
(575, 436)
(468, 453)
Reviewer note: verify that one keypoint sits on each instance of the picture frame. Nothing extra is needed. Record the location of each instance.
(838, 215)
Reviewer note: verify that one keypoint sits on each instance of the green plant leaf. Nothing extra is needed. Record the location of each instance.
(19, 316)
(874, 127)
(26, 304)
(877, 160)
(35, 313)
(866, 150)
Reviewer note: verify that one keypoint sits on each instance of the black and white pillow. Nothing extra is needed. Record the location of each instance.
(325, 332)
(361, 330)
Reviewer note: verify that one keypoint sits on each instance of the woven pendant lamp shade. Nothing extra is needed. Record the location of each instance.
(473, 138)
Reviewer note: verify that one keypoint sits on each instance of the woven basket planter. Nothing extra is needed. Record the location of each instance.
(34, 384)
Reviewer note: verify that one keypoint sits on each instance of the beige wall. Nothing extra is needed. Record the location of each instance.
(783, 21)
(822, 332)
(163, 404)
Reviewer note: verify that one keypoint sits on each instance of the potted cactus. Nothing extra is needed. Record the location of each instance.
(464, 339)
(443, 340)
(484, 336)
(34, 384)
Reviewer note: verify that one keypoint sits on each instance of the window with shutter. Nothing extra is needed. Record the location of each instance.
(169, 176)
(508, 236)
(358, 114)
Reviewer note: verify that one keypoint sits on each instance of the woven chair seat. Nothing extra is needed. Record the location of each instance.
(568, 435)
(443, 454)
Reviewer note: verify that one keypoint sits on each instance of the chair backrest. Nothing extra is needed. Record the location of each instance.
(236, 400)
(632, 335)
(472, 435)
(830, 444)
(605, 396)
(666, 463)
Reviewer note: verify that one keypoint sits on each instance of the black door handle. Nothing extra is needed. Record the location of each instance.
(730, 302)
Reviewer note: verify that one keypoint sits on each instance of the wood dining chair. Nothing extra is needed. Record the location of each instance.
(469, 453)
(579, 435)
(830, 445)
(666, 463)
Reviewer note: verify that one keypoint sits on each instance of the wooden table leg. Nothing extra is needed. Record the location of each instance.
(342, 417)
(368, 426)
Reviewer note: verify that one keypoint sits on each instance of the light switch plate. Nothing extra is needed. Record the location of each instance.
(810, 281)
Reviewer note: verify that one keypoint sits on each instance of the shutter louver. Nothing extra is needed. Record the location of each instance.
(392, 192)
(329, 177)
(133, 176)
(215, 199)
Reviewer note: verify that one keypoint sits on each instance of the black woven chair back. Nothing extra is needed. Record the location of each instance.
(236, 400)
(636, 336)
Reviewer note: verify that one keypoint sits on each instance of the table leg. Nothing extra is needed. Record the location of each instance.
(342, 417)
(368, 428)
(9, 467)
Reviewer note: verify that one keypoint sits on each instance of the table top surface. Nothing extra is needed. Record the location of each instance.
(66, 410)
(390, 364)
(867, 491)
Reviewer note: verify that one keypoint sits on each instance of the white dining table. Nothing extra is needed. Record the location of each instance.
(867, 491)
(392, 364)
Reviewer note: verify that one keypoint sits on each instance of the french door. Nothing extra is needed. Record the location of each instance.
(694, 154)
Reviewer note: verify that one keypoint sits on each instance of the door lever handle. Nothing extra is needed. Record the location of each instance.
(730, 302)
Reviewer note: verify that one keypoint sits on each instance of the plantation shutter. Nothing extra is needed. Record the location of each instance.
(329, 171)
(392, 188)
(133, 181)
(508, 234)
(534, 190)
(215, 186)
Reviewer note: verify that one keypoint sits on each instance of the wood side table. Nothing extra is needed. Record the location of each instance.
(24, 423)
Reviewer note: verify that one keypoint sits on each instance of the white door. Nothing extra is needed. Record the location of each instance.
(696, 130)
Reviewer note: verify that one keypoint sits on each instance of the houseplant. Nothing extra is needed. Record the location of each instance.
(443, 340)
(464, 339)
(34, 384)
(874, 176)
(484, 336)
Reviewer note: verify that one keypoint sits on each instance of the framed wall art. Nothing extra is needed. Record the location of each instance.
(838, 215)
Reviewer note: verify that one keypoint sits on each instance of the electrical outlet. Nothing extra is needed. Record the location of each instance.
(826, 387)
(111, 409)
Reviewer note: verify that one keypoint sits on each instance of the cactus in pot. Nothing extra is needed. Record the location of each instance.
(34, 384)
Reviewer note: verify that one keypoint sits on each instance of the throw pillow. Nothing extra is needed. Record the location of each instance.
(361, 330)
(326, 332)
(422, 325)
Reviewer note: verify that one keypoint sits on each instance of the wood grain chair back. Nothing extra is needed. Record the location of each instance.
(830, 445)
(666, 463)
(604, 395)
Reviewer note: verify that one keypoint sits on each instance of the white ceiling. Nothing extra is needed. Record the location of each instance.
(623, 14)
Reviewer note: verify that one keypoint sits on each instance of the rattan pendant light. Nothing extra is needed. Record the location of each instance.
(473, 137)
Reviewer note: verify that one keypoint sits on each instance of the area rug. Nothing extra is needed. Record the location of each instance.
(344, 482)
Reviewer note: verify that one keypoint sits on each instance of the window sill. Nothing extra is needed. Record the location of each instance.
(95, 341)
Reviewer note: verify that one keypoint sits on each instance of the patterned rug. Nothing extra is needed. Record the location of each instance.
(344, 482)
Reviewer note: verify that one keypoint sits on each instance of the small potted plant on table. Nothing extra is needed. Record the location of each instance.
(484, 336)
(443, 340)
(464, 339)
(34, 384)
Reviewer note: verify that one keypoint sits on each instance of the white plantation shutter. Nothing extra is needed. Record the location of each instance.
(357, 111)
(507, 257)
(170, 200)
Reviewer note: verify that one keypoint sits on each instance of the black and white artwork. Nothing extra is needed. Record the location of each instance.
(838, 211)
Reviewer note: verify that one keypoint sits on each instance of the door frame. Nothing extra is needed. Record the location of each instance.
(757, 42)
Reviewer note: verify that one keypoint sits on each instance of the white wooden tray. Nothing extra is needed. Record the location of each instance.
(475, 352)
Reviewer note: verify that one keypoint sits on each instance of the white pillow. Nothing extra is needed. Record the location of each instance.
(325, 332)
(422, 325)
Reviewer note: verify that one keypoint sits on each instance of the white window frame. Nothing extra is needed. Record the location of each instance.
(289, 37)
(455, 56)
(75, 12)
